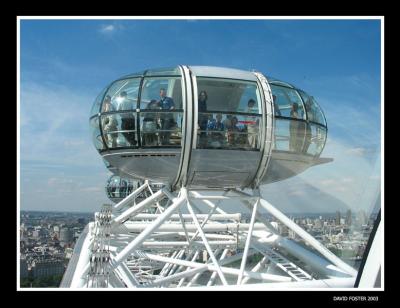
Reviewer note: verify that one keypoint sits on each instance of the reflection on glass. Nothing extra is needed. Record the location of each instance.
(124, 94)
(299, 137)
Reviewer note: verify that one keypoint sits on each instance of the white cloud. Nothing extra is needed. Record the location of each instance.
(107, 28)
(111, 28)
(347, 180)
(357, 151)
(57, 130)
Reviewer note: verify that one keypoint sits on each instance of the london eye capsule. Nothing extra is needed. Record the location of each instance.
(118, 188)
(207, 127)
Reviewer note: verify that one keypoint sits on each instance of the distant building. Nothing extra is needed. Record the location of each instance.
(337, 220)
(348, 218)
(56, 230)
(35, 234)
(283, 229)
(362, 217)
(318, 223)
(66, 236)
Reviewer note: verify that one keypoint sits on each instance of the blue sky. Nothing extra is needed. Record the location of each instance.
(65, 64)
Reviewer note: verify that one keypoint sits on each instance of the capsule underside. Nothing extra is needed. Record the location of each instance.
(210, 127)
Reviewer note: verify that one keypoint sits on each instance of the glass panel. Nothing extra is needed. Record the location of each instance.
(137, 74)
(166, 91)
(119, 129)
(123, 94)
(299, 137)
(229, 131)
(314, 112)
(228, 95)
(97, 102)
(289, 135)
(166, 71)
(315, 139)
(96, 136)
(287, 102)
(160, 128)
(275, 81)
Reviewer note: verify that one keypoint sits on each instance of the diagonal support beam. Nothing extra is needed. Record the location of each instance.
(196, 254)
(256, 268)
(212, 278)
(308, 238)
(247, 245)
(151, 228)
(194, 279)
(131, 197)
(196, 222)
(138, 207)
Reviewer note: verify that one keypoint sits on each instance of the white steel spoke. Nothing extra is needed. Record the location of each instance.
(194, 279)
(248, 240)
(196, 222)
(256, 268)
(213, 275)
(143, 235)
(196, 254)
(184, 225)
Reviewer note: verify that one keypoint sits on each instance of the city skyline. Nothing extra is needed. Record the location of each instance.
(65, 64)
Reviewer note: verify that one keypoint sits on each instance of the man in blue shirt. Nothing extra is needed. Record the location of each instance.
(167, 118)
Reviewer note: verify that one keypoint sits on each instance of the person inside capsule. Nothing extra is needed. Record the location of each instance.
(109, 123)
(203, 117)
(150, 124)
(276, 107)
(167, 118)
(127, 118)
(308, 133)
(252, 124)
(215, 129)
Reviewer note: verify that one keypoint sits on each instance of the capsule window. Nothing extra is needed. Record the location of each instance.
(97, 103)
(161, 112)
(287, 102)
(314, 112)
(229, 114)
(122, 95)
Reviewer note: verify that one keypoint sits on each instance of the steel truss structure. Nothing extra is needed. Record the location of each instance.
(185, 240)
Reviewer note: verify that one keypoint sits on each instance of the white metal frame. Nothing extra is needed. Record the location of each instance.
(137, 249)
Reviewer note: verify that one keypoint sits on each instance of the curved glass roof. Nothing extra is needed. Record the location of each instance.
(163, 71)
(222, 72)
(280, 82)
